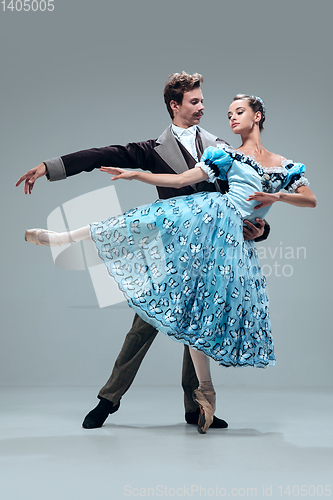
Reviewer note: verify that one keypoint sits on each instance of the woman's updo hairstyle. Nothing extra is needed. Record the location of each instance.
(255, 103)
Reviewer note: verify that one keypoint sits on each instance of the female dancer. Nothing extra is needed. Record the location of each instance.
(183, 264)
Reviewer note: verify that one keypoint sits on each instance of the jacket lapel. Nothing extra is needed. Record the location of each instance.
(208, 139)
(170, 152)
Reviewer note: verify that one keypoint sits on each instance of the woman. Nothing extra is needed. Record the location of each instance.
(183, 264)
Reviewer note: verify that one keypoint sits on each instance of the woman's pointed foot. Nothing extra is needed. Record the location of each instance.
(206, 414)
(45, 237)
(31, 235)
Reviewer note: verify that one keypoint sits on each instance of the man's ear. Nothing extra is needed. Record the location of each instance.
(174, 106)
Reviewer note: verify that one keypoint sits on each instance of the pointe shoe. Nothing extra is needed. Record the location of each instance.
(206, 414)
(31, 235)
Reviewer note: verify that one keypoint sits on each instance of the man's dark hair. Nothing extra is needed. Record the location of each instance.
(177, 84)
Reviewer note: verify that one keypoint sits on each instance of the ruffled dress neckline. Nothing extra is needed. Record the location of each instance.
(251, 160)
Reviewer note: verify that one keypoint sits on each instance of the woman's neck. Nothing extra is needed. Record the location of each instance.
(251, 143)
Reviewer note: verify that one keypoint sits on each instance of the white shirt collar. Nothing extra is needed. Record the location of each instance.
(179, 131)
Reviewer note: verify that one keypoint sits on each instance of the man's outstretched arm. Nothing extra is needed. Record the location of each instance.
(133, 155)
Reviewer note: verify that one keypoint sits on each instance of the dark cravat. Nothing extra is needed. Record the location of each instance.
(198, 145)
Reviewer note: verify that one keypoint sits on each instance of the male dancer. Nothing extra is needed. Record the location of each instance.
(177, 149)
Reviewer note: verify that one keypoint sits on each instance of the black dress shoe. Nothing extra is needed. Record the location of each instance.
(192, 417)
(98, 415)
(218, 423)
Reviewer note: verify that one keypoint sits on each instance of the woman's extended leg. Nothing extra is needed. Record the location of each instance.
(53, 239)
(205, 394)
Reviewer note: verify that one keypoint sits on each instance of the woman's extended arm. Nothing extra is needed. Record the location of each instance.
(303, 197)
(192, 176)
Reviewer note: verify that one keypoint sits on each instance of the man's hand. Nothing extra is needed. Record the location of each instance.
(250, 232)
(30, 177)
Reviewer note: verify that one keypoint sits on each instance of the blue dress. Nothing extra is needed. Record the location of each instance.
(184, 267)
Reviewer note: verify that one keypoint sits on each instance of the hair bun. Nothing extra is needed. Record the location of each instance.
(261, 102)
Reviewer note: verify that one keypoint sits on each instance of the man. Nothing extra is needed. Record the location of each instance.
(177, 149)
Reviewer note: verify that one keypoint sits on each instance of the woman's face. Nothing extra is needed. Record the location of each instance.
(241, 116)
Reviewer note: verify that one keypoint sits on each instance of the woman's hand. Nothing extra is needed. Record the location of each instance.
(119, 173)
(264, 199)
(192, 176)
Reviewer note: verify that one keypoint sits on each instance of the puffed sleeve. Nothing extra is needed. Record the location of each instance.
(215, 162)
(295, 177)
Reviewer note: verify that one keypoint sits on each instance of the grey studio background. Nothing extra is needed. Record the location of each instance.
(90, 74)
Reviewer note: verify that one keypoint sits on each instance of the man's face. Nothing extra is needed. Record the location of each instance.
(190, 111)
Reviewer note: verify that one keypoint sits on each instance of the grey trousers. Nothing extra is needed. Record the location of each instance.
(136, 344)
